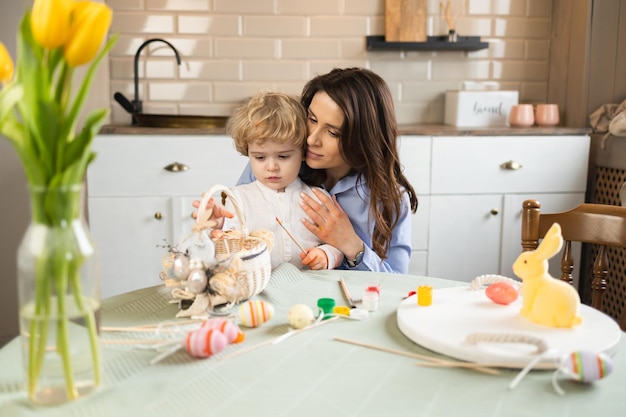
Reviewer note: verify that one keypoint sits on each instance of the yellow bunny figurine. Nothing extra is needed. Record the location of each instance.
(546, 300)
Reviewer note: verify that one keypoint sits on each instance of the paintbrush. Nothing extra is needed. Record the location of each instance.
(431, 359)
(346, 293)
(290, 235)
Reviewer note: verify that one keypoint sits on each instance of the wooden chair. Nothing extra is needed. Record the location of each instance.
(600, 224)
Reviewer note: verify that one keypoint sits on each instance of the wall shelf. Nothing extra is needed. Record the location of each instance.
(433, 43)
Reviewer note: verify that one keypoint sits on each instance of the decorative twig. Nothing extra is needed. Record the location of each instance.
(485, 364)
(291, 236)
(278, 339)
(445, 10)
(448, 14)
(135, 341)
(149, 326)
(431, 359)
(138, 329)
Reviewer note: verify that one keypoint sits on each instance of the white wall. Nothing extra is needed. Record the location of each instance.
(232, 48)
(14, 209)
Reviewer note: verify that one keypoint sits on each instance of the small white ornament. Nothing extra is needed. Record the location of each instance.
(196, 263)
(202, 248)
(300, 316)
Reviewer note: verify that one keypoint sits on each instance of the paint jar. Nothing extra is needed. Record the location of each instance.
(326, 305)
(424, 295)
(369, 301)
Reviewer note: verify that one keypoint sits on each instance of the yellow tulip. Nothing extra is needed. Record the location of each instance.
(90, 24)
(50, 22)
(6, 65)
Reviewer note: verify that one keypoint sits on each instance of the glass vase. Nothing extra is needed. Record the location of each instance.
(59, 304)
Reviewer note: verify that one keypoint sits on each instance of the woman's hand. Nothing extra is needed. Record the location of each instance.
(330, 223)
(314, 258)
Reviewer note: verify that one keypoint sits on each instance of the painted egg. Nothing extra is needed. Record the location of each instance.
(232, 332)
(175, 265)
(300, 316)
(255, 312)
(586, 366)
(180, 268)
(197, 281)
(204, 342)
(502, 292)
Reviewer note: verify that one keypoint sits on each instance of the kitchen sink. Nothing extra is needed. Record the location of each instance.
(179, 120)
(169, 120)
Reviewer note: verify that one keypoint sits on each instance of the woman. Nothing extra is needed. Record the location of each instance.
(352, 152)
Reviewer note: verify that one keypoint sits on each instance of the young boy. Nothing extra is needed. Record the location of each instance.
(271, 130)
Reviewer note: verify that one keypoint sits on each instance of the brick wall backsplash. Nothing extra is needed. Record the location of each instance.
(232, 48)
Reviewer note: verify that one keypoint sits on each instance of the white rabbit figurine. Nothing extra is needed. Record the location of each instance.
(546, 300)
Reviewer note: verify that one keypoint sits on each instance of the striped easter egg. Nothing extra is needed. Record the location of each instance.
(204, 342)
(586, 366)
(254, 313)
(232, 332)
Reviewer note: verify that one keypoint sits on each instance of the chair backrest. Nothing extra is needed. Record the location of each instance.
(599, 224)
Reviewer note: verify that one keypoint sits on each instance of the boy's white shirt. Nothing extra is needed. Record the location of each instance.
(261, 205)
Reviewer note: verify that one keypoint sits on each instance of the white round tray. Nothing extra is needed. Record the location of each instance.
(458, 312)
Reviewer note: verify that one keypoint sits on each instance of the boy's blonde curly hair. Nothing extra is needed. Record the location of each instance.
(268, 116)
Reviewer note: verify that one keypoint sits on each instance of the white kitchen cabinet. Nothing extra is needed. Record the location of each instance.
(467, 223)
(477, 188)
(130, 233)
(136, 205)
(415, 158)
(464, 238)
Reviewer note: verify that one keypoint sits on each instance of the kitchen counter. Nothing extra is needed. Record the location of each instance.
(427, 130)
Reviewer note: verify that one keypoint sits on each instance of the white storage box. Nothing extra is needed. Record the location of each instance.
(479, 108)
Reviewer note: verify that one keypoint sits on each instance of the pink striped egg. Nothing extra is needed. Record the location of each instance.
(586, 366)
(232, 332)
(254, 313)
(204, 342)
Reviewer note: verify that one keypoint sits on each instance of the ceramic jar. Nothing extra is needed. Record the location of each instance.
(547, 115)
(522, 115)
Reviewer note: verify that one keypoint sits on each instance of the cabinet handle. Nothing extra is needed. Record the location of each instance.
(176, 167)
(511, 165)
(158, 215)
(494, 211)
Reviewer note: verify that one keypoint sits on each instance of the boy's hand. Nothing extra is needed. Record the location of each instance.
(219, 212)
(314, 258)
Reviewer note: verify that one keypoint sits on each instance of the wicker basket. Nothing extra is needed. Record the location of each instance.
(246, 259)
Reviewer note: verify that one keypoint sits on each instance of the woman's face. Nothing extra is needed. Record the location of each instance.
(325, 119)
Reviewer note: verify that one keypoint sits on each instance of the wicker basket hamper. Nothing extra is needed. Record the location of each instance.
(239, 268)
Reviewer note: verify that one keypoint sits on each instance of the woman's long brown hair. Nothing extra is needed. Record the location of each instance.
(368, 144)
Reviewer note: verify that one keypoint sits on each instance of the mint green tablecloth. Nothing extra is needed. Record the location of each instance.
(307, 374)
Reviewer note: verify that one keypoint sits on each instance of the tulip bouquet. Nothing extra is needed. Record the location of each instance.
(39, 115)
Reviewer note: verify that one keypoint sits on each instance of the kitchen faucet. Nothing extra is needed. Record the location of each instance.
(136, 101)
